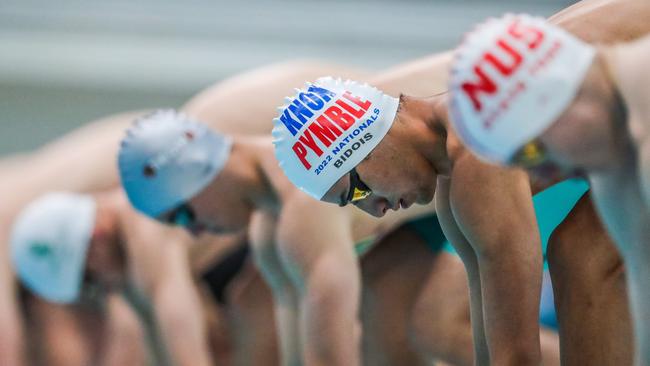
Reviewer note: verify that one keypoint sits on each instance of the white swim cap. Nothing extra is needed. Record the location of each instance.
(167, 158)
(327, 128)
(511, 79)
(49, 241)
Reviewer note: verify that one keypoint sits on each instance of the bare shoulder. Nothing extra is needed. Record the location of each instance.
(485, 198)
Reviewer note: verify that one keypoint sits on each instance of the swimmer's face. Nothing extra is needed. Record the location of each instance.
(396, 172)
(222, 207)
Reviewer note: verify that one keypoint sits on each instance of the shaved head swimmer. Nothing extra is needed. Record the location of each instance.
(596, 123)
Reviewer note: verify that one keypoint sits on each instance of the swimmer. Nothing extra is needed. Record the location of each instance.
(587, 114)
(87, 156)
(399, 164)
(65, 245)
(177, 171)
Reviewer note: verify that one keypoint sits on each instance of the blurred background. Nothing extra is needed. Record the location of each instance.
(64, 63)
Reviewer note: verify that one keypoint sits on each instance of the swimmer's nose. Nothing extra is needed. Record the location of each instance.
(380, 208)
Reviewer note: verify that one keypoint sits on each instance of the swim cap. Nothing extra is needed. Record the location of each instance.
(327, 128)
(510, 80)
(49, 241)
(167, 158)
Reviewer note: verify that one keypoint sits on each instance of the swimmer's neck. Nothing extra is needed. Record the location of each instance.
(439, 145)
(251, 155)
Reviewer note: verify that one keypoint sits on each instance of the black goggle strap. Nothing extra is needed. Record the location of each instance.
(358, 190)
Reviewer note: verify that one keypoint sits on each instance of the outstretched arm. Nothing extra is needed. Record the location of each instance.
(160, 266)
(317, 250)
(493, 209)
(285, 299)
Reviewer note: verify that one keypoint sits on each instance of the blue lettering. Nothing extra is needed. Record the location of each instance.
(300, 111)
(291, 124)
(311, 100)
(323, 93)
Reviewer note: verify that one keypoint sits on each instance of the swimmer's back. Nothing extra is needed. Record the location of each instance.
(605, 21)
(419, 78)
(246, 104)
(81, 161)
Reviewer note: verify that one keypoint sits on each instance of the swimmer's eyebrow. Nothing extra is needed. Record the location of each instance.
(401, 101)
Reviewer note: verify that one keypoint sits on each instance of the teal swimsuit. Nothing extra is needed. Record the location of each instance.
(551, 207)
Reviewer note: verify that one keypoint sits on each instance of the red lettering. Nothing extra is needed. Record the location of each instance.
(531, 35)
(485, 85)
(339, 117)
(356, 100)
(308, 140)
(504, 69)
(301, 153)
(324, 130)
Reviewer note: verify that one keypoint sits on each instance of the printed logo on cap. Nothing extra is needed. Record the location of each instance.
(511, 78)
(327, 128)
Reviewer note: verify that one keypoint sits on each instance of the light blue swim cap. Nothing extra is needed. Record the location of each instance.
(166, 158)
(49, 242)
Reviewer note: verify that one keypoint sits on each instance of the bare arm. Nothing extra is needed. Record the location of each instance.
(160, 265)
(124, 337)
(285, 298)
(317, 250)
(493, 209)
(468, 256)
